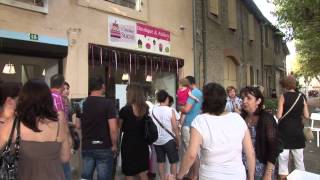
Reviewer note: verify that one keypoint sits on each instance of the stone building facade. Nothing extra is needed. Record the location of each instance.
(235, 45)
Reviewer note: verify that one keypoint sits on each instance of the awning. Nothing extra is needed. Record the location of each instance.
(29, 44)
(113, 57)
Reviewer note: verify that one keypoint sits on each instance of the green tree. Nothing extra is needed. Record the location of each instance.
(301, 21)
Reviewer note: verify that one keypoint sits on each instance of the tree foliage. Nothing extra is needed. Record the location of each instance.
(301, 19)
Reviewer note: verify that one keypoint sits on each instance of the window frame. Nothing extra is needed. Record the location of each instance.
(30, 7)
(117, 9)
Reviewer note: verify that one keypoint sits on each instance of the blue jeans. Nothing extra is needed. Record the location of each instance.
(67, 171)
(100, 159)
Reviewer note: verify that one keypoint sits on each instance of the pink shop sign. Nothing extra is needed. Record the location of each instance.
(129, 34)
(152, 39)
(154, 32)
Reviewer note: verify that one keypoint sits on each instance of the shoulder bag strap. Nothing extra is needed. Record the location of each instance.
(12, 132)
(18, 139)
(295, 102)
(163, 126)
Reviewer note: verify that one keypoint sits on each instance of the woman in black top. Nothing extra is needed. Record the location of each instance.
(263, 130)
(134, 148)
(291, 125)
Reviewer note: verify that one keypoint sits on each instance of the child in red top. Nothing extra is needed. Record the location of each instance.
(183, 93)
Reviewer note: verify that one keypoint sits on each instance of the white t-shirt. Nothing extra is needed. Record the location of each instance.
(164, 115)
(221, 149)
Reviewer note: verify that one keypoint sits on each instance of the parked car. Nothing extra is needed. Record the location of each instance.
(313, 93)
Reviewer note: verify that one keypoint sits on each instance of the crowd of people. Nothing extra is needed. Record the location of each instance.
(216, 134)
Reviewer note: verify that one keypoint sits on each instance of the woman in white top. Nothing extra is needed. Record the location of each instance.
(222, 137)
(168, 134)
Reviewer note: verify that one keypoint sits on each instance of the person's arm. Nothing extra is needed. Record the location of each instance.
(272, 150)
(305, 109)
(77, 124)
(113, 126)
(186, 108)
(280, 107)
(193, 97)
(250, 154)
(65, 153)
(191, 153)
(175, 128)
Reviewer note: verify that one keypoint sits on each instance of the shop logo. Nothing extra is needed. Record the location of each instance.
(34, 37)
(115, 30)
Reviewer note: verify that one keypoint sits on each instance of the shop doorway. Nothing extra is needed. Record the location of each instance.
(120, 67)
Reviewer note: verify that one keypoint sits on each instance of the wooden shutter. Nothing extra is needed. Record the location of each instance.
(232, 14)
(214, 7)
(251, 27)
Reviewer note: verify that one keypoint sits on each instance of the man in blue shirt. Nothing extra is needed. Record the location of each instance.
(191, 109)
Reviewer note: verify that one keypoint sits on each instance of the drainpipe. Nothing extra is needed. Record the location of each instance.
(194, 37)
(244, 62)
(204, 40)
(262, 58)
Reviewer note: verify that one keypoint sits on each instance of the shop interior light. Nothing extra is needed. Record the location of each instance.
(149, 78)
(44, 72)
(9, 69)
(125, 77)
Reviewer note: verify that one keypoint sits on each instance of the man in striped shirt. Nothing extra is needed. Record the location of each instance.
(57, 87)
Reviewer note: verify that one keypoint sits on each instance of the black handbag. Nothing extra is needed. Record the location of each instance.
(10, 155)
(151, 131)
(75, 138)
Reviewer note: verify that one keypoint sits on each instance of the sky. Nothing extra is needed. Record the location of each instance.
(266, 8)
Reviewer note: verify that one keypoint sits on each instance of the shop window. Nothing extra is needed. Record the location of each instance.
(120, 67)
(214, 7)
(251, 27)
(232, 14)
(33, 5)
(27, 68)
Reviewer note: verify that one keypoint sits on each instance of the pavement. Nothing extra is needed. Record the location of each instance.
(311, 152)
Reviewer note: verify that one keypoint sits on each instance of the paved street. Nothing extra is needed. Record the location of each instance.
(312, 153)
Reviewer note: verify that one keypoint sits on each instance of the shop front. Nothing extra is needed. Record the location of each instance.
(136, 53)
(120, 67)
(25, 56)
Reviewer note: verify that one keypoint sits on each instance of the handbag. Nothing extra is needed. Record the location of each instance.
(163, 127)
(10, 155)
(151, 131)
(75, 138)
(308, 133)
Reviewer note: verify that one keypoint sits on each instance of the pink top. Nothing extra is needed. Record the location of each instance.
(57, 101)
(183, 94)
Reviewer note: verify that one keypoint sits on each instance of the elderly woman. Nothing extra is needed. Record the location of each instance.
(222, 136)
(264, 133)
(291, 107)
(233, 102)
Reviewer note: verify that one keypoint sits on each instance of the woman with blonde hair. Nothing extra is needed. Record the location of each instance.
(134, 147)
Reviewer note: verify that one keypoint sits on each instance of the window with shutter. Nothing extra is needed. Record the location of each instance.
(251, 27)
(214, 7)
(232, 14)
